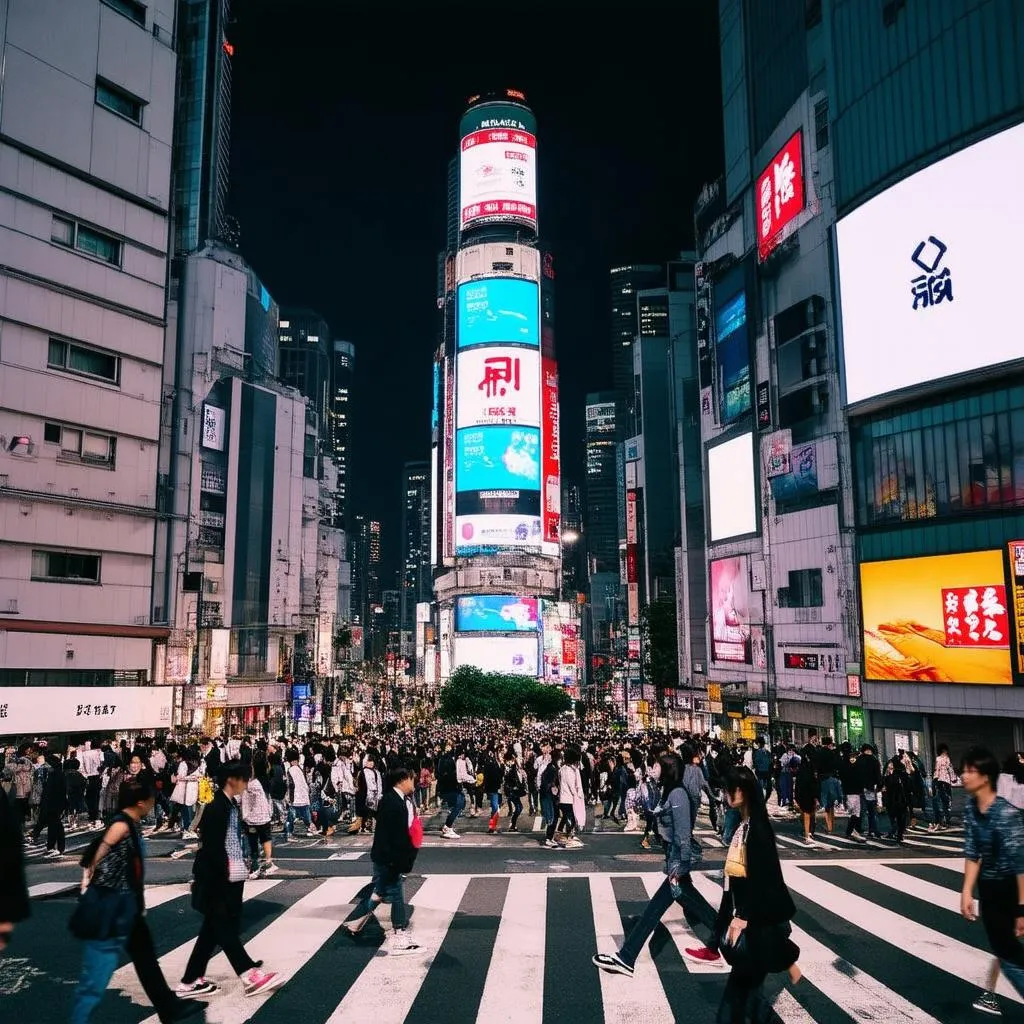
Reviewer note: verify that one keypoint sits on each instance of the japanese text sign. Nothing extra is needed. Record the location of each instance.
(975, 616)
(779, 196)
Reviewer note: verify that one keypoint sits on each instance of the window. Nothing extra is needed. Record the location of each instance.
(118, 101)
(130, 9)
(65, 567)
(88, 362)
(79, 445)
(804, 590)
(86, 239)
(821, 123)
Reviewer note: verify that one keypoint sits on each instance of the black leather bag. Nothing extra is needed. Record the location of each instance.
(759, 948)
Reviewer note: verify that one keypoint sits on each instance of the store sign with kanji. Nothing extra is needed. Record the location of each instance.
(975, 616)
(779, 195)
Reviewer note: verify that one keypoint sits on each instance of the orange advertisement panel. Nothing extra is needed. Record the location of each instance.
(1017, 596)
(937, 619)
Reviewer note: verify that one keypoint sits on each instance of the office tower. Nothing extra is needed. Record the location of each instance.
(499, 478)
(414, 583)
(84, 229)
(624, 284)
(340, 434)
(305, 355)
(600, 513)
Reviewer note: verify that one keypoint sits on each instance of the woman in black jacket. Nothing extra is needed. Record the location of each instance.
(756, 906)
(393, 854)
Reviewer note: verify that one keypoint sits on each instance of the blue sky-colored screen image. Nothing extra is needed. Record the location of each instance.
(497, 458)
(496, 613)
(499, 310)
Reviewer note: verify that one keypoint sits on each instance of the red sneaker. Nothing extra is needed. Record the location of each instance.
(703, 955)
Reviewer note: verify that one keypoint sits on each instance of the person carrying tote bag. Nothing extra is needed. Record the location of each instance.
(753, 920)
(109, 917)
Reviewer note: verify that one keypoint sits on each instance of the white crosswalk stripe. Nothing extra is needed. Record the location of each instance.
(298, 920)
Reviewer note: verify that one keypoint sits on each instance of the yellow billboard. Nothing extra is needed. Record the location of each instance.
(936, 619)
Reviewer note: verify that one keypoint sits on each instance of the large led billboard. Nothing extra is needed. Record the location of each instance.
(499, 310)
(928, 271)
(498, 166)
(730, 610)
(732, 503)
(517, 655)
(779, 194)
(498, 385)
(497, 458)
(496, 530)
(732, 354)
(496, 613)
(552, 484)
(936, 619)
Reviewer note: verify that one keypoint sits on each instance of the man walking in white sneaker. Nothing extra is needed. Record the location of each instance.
(396, 841)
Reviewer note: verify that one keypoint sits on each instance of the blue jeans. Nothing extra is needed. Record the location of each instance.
(456, 801)
(495, 803)
(293, 813)
(100, 958)
(831, 793)
(730, 823)
(547, 809)
(689, 899)
(942, 797)
(386, 888)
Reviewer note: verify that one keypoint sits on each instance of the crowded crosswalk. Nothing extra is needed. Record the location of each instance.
(881, 941)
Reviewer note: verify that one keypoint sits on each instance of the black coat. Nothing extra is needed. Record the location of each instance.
(211, 864)
(392, 844)
(762, 897)
(13, 892)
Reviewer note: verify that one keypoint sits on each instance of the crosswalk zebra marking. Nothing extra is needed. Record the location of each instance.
(680, 931)
(910, 885)
(390, 984)
(644, 999)
(861, 996)
(514, 988)
(948, 954)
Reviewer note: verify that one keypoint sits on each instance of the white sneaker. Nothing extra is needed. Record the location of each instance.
(270, 868)
(448, 833)
(550, 844)
(400, 943)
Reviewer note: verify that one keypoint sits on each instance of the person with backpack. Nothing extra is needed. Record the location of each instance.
(110, 916)
(396, 842)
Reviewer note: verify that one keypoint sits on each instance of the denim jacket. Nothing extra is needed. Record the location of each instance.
(675, 826)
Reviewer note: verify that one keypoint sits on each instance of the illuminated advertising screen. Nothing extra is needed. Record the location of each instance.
(480, 532)
(496, 613)
(497, 458)
(498, 166)
(498, 385)
(448, 522)
(435, 408)
(552, 455)
(924, 280)
(433, 505)
(732, 353)
(779, 195)
(730, 610)
(499, 311)
(731, 492)
(516, 655)
(936, 619)
(1016, 548)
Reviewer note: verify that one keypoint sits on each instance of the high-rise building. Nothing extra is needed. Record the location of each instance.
(359, 557)
(624, 284)
(600, 513)
(202, 145)
(373, 555)
(340, 434)
(415, 582)
(499, 477)
(84, 236)
(305, 356)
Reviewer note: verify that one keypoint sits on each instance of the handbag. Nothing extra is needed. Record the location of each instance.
(103, 913)
(757, 948)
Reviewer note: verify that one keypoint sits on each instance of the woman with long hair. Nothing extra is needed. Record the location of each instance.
(756, 906)
(675, 825)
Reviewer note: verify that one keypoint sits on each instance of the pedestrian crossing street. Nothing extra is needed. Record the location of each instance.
(881, 941)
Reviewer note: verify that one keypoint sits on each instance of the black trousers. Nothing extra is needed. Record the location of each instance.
(222, 922)
(143, 953)
(92, 796)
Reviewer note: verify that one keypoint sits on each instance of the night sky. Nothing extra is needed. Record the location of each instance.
(344, 119)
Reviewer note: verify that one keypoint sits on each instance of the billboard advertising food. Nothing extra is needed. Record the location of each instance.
(926, 270)
(730, 610)
(779, 195)
(498, 385)
(497, 458)
(473, 533)
(498, 166)
(552, 454)
(517, 655)
(731, 491)
(496, 613)
(936, 619)
(499, 310)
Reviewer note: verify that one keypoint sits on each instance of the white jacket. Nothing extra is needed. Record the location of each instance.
(186, 785)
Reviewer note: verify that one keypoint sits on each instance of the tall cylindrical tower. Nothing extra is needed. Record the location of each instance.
(498, 485)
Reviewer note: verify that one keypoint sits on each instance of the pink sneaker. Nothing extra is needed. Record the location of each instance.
(256, 981)
(703, 955)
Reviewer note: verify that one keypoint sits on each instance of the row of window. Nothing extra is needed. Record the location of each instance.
(84, 361)
(65, 567)
(78, 445)
(70, 233)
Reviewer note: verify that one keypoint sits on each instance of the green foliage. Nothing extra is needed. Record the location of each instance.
(472, 693)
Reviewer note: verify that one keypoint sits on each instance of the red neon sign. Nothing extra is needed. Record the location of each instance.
(780, 194)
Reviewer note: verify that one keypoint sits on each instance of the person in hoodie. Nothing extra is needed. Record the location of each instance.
(675, 823)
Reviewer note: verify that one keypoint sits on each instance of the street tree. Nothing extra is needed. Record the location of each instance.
(473, 693)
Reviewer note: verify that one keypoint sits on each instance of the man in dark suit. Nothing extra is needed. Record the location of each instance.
(218, 878)
(393, 854)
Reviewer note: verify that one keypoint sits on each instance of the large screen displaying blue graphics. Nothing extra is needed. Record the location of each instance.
(499, 310)
(733, 351)
(496, 613)
(497, 458)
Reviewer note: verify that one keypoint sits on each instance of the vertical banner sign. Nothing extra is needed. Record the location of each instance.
(1017, 598)
(630, 516)
(448, 525)
(552, 486)
(779, 195)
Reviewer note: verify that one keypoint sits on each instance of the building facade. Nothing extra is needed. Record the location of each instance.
(416, 584)
(343, 367)
(86, 125)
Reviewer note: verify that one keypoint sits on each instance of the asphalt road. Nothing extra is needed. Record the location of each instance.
(508, 929)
